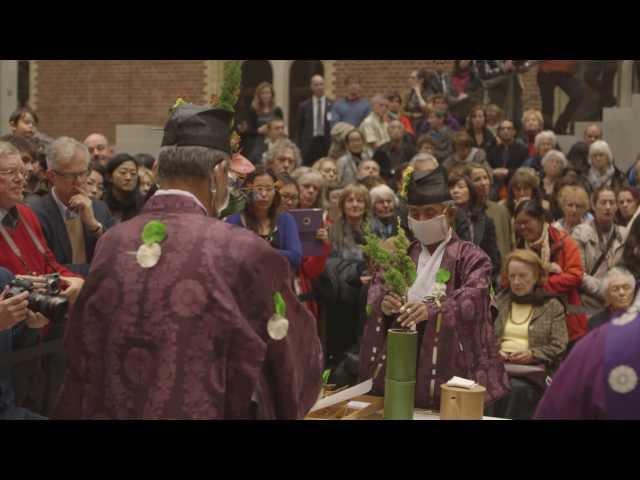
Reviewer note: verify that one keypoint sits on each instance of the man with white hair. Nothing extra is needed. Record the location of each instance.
(578, 155)
(284, 157)
(384, 204)
(374, 126)
(71, 221)
(99, 148)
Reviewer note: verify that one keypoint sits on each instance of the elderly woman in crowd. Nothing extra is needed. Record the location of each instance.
(327, 168)
(545, 142)
(471, 221)
(628, 202)
(384, 223)
(347, 234)
(312, 266)
(121, 194)
(284, 157)
(357, 152)
(464, 153)
(603, 172)
(560, 255)
(600, 241)
(477, 129)
(553, 164)
(531, 330)
(480, 175)
(618, 290)
(311, 185)
(532, 124)
(260, 215)
(574, 204)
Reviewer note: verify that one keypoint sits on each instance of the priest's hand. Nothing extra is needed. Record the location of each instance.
(72, 290)
(36, 320)
(13, 310)
(413, 313)
(391, 304)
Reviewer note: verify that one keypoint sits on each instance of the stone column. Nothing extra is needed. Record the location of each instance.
(625, 83)
(8, 92)
(281, 85)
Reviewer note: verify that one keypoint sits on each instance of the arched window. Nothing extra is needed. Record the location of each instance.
(299, 80)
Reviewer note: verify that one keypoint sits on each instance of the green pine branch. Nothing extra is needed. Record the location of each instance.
(230, 90)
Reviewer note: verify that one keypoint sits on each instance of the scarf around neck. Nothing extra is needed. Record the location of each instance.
(597, 180)
(542, 245)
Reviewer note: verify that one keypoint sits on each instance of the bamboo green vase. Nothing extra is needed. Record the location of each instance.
(400, 378)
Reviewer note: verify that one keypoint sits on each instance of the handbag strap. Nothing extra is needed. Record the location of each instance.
(604, 254)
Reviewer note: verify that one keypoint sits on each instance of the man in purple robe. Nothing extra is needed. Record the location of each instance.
(184, 316)
(452, 315)
(599, 379)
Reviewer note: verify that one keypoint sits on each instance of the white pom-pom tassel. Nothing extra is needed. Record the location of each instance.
(277, 327)
(148, 255)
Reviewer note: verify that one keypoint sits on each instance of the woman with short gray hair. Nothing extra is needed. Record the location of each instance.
(603, 171)
(553, 165)
(384, 203)
(618, 289)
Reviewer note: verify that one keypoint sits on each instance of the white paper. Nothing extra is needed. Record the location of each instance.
(353, 405)
(355, 391)
(461, 383)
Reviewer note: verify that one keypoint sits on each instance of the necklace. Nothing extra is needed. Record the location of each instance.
(519, 323)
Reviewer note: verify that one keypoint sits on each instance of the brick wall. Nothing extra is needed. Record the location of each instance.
(382, 76)
(76, 98)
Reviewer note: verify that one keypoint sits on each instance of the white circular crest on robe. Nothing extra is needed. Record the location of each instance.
(623, 379)
(277, 327)
(188, 298)
(148, 255)
(625, 318)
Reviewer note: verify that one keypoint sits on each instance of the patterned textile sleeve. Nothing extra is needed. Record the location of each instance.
(556, 344)
(290, 380)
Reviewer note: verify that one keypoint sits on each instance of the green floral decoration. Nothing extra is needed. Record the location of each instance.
(443, 275)
(279, 306)
(230, 91)
(369, 310)
(325, 376)
(154, 232)
(391, 257)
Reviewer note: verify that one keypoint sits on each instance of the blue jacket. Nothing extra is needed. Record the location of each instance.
(286, 238)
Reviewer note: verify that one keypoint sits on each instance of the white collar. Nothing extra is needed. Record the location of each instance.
(184, 193)
(66, 212)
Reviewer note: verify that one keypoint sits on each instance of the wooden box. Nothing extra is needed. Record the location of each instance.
(357, 408)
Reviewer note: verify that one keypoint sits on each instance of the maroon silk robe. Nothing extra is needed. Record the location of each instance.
(187, 339)
(466, 341)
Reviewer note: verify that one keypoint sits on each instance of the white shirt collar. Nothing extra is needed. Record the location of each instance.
(66, 212)
(184, 193)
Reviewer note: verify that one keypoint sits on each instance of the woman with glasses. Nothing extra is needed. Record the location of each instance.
(121, 187)
(261, 216)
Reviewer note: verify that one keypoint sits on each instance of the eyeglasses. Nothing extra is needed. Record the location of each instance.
(14, 172)
(288, 197)
(73, 176)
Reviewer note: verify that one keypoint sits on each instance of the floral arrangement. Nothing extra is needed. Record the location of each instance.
(391, 257)
(278, 325)
(406, 180)
(148, 254)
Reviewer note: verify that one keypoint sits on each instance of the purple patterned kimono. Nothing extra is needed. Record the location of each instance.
(187, 339)
(466, 342)
(599, 379)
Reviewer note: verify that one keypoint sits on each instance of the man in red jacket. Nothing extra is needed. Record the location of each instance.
(562, 74)
(24, 252)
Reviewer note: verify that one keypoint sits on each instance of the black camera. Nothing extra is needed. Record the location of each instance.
(50, 303)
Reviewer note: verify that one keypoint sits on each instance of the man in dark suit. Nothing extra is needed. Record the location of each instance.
(71, 221)
(313, 129)
(507, 157)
